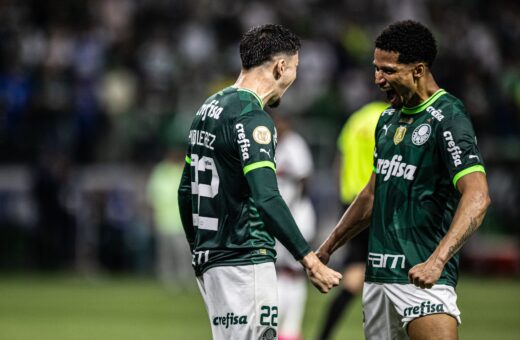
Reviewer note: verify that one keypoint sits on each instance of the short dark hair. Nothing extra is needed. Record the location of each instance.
(261, 43)
(413, 41)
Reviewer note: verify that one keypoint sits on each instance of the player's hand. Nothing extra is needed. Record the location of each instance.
(425, 274)
(324, 278)
(321, 276)
(323, 256)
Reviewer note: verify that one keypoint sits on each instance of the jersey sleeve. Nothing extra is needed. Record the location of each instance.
(458, 147)
(275, 213)
(184, 202)
(254, 137)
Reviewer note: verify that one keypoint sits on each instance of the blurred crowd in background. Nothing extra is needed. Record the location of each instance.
(95, 93)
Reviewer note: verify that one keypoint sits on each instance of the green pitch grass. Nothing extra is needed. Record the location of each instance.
(72, 308)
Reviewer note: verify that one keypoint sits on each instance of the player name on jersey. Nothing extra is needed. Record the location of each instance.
(202, 138)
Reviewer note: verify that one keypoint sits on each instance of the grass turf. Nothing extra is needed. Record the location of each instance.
(72, 308)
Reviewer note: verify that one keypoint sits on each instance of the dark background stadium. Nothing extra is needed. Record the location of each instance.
(93, 93)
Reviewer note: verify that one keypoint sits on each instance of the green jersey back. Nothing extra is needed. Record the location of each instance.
(420, 155)
(229, 136)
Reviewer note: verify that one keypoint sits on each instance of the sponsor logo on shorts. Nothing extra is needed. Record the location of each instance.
(452, 148)
(391, 261)
(395, 168)
(268, 334)
(230, 320)
(426, 307)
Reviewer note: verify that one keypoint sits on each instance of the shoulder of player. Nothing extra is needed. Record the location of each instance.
(386, 116)
(446, 108)
(248, 100)
(256, 116)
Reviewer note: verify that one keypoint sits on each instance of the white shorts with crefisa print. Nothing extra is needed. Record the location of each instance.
(389, 307)
(241, 301)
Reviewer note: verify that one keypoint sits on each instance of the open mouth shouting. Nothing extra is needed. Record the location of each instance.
(392, 97)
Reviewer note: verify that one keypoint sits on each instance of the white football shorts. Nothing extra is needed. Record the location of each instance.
(241, 301)
(389, 307)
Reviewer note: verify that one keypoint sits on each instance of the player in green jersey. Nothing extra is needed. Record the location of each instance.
(427, 195)
(229, 201)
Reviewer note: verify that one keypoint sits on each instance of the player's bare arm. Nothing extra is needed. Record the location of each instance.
(354, 220)
(468, 217)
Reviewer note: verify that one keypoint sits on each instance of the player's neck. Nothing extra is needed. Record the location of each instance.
(425, 90)
(255, 80)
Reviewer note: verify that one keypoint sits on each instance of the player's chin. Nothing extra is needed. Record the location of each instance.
(274, 103)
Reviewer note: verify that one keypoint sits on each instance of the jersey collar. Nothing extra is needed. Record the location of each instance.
(253, 93)
(422, 106)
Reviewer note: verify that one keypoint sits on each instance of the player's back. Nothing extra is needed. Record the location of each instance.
(229, 228)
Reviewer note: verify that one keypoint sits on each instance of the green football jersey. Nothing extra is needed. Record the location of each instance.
(420, 155)
(230, 135)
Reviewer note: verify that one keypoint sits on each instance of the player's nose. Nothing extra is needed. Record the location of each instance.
(379, 80)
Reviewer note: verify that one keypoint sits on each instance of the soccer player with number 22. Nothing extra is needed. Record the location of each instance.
(229, 202)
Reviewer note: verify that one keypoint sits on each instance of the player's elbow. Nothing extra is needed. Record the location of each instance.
(486, 201)
(482, 199)
(264, 202)
(366, 197)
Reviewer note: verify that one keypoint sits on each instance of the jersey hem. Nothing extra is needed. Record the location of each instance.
(237, 264)
(261, 164)
(372, 279)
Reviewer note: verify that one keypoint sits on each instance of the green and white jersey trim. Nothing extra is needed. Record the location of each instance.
(261, 164)
(422, 106)
(474, 168)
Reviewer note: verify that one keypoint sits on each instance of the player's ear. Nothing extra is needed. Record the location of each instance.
(419, 70)
(279, 68)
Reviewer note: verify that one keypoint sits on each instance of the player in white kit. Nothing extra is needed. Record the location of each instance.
(294, 168)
